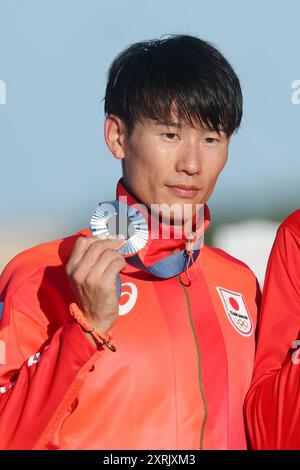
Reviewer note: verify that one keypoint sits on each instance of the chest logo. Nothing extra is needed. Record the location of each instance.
(236, 311)
(128, 297)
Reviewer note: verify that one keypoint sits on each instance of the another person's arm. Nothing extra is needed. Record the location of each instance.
(272, 407)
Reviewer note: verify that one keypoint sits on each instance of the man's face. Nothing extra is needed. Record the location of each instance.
(159, 157)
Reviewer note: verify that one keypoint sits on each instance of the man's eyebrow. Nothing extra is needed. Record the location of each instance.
(159, 122)
(207, 129)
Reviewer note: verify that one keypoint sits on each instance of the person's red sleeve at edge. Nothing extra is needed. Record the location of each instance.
(272, 406)
(31, 394)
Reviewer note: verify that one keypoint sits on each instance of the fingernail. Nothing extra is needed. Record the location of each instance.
(102, 236)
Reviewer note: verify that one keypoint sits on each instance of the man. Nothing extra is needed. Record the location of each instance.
(273, 403)
(177, 367)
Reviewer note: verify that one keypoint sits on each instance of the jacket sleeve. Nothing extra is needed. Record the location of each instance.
(40, 376)
(272, 406)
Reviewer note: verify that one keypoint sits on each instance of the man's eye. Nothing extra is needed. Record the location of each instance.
(171, 135)
(211, 140)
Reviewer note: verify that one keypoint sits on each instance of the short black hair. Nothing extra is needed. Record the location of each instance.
(149, 78)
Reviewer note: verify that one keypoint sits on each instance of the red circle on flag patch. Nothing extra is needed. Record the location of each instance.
(234, 303)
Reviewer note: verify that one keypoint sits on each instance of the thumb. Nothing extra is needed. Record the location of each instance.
(119, 240)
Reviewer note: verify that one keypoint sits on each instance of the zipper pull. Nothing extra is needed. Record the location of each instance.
(189, 248)
(189, 244)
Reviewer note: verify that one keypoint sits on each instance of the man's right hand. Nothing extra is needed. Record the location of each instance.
(92, 270)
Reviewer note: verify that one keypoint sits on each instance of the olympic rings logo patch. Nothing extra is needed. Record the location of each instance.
(236, 311)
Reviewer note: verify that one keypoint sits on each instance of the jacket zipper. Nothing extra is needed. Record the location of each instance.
(199, 368)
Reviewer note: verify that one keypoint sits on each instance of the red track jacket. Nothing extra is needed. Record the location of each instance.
(273, 402)
(178, 379)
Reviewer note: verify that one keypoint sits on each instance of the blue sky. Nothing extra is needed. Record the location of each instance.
(54, 57)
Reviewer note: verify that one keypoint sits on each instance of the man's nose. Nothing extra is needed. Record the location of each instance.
(189, 160)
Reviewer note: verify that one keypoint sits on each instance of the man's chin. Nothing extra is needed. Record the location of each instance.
(178, 222)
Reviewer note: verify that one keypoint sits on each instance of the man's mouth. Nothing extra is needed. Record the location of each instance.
(187, 192)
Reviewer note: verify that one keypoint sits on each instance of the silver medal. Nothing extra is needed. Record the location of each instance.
(113, 218)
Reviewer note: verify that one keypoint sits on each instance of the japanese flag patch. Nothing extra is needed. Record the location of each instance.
(236, 311)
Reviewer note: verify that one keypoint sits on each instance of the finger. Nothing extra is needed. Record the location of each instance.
(93, 274)
(109, 275)
(83, 246)
(80, 247)
(94, 252)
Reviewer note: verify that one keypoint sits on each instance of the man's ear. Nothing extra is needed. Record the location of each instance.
(115, 135)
